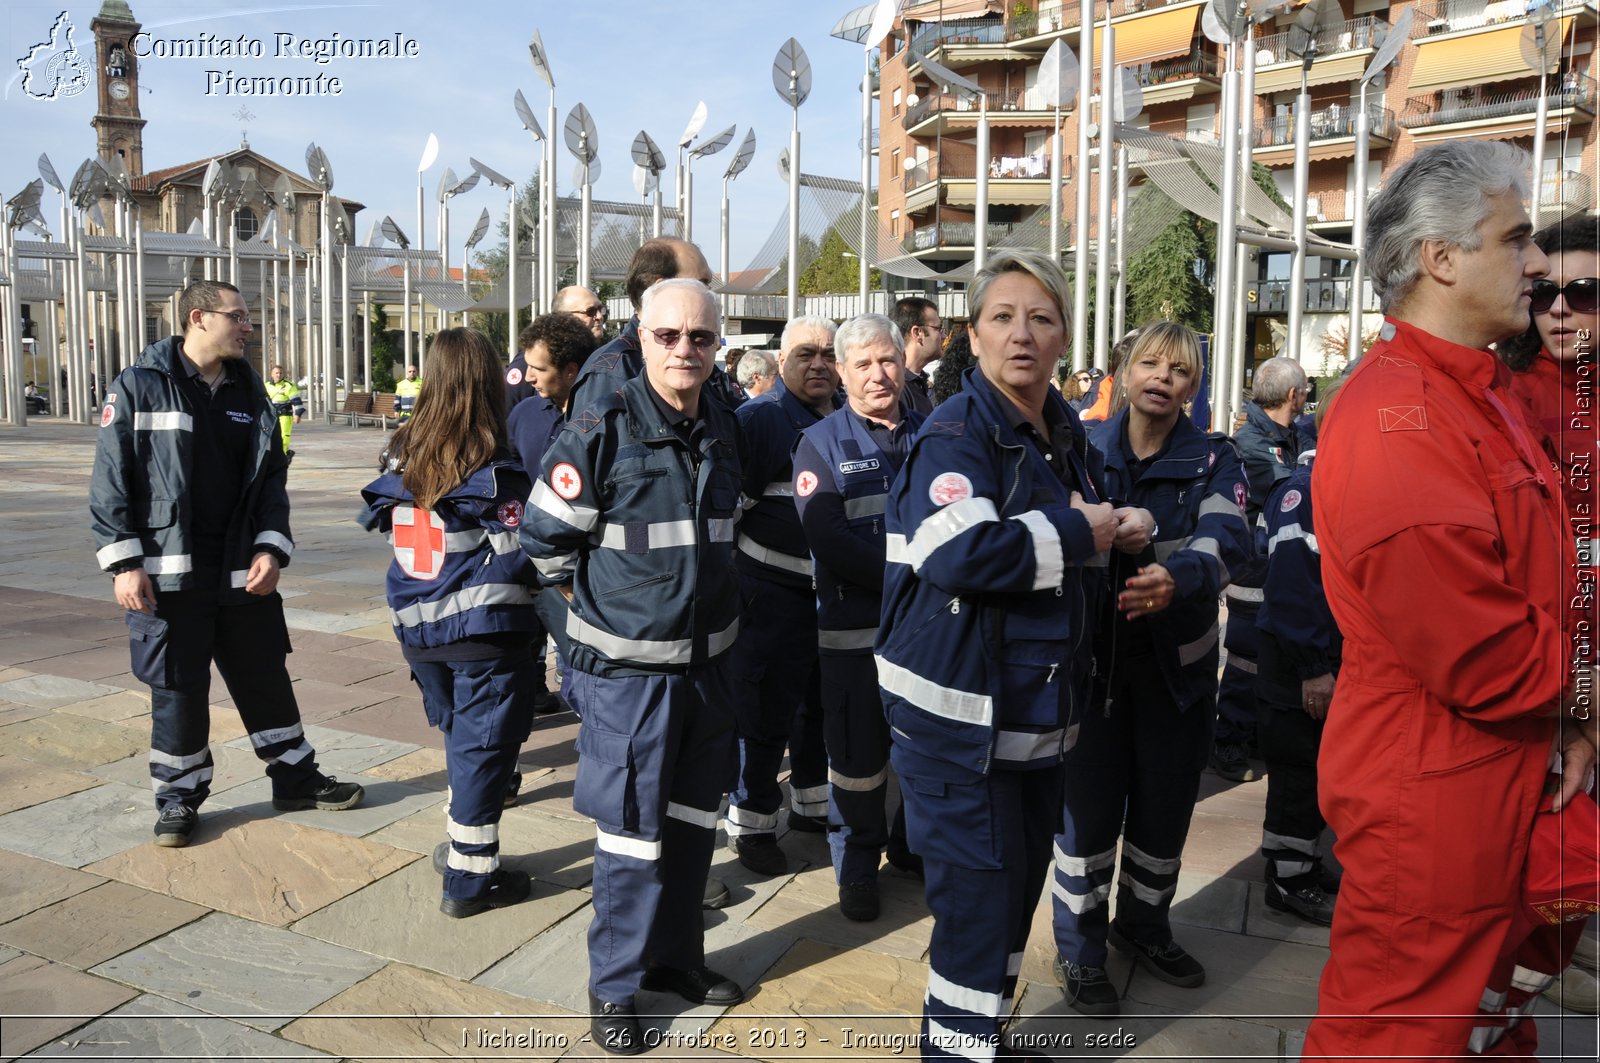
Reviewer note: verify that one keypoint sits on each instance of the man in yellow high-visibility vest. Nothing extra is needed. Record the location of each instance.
(405, 394)
(286, 401)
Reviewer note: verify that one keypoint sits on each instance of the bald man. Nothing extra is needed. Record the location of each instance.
(584, 305)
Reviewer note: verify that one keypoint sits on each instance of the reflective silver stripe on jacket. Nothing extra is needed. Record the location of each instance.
(168, 564)
(239, 578)
(121, 550)
(778, 489)
(170, 421)
(546, 500)
(895, 551)
(280, 542)
(1020, 747)
(646, 651)
(929, 696)
(945, 524)
(1049, 565)
(657, 536)
(1190, 652)
(870, 506)
(1290, 532)
(419, 613)
(1246, 594)
(775, 558)
(855, 638)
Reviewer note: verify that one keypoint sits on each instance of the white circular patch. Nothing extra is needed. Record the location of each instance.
(1291, 498)
(514, 377)
(805, 483)
(948, 488)
(107, 414)
(565, 481)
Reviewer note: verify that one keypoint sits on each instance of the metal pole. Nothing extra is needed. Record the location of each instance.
(1080, 220)
(1302, 183)
(1223, 365)
(793, 307)
(53, 338)
(511, 272)
(1540, 121)
(261, 316)
(444, 253)
(294, 328)
(723, 243)
(366, 337)
(277, 310)
(1107, 178)
(1358, 230)
(584, 218)
(866, 177)
(688, 200)
(551, 234)
(330, 383)
(138, 277)
(1240, 351)
(655, 211)
(1120, 318)
(1055, 191)
(980, 213)
(14, 409)
(311, 344)
(344, 318)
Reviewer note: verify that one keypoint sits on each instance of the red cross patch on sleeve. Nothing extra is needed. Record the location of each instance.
(566, 482)
(509, 513)
(805, 483)
(514, 377)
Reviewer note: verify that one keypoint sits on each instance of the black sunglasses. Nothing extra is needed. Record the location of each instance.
(1583, 295)
(699, 338)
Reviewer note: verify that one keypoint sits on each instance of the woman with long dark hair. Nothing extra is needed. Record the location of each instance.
(459, 599)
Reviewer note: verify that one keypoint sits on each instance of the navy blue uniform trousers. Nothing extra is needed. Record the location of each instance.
(485, 709)
(1236, 699)
(655, 755)
(857, 738)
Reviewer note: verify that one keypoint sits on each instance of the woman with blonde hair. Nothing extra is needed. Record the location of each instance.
(459, 599)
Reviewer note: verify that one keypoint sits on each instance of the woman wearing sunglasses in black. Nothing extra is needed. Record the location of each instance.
(1554, 358)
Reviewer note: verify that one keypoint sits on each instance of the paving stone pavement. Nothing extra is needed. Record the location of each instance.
(317, 935)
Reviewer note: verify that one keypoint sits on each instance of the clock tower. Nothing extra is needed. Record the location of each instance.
(119, 130)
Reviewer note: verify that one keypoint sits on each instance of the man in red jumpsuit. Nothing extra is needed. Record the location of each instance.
(1447, 565)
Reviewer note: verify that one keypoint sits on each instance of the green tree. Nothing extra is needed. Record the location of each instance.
(492, 261)
(385, 350)
(833, 270)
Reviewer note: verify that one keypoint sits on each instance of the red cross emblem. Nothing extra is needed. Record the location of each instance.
(565, 481)
(418, 542)
(805, 483)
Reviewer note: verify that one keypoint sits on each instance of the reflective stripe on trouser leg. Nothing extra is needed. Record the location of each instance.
(981, 915)
(485, 710)
(808, 751)
(858, 765)
(1096, 786)
(1289, 740)
(770, 670)
(184, 779)
(176, 665)
(654, 755)
(1236, 697)
(252, 644)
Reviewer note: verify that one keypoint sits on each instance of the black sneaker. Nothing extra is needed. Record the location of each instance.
(174, 825)
(808, 824)
(325, 793)
(1300, 896)
(902, 858)
(1232, 761)
(548, 704)
(512, 788)
(615, 1027)
(506, 887)
(717, 894)
(699, 986)
(760, 853)
(1167, 962)
(1088, 990)
(858, 901)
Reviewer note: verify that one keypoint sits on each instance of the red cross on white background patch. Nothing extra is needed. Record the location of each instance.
(805, 483)
(565, 481)
(418, 542)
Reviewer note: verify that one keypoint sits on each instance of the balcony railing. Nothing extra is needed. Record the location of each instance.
(1567, 186)
(1351, 35)
(1452, 16)
(1199, 65)
(935, 102)
(1328, 123)
(932, 35)
(953, 234)
(951, 166)
(1573, 90)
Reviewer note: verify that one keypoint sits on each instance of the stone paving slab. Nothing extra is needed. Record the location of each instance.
(412, 1013)
(808, 907)
(153, 1028)
(84, 827)
(399, 718)
(28, 648)
(267, 870)
(97, 924)
(309, 620)
(339, 750)
(24, 783)
(11, 712)
(259, 975)
(123, 705)
(1244, 976)
(69, 741)
(96, 662)
(47, 1000)
(31, 883)
(385, 803)
(423, 768)
(231, 768)
(52, 691)
(426, 937)
(1045, 1023)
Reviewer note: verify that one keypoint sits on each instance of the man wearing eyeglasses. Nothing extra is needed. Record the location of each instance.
(1441, 530)
(633, 519)
(189, 510)
(776, 678)
(923, 329)
(586, 306)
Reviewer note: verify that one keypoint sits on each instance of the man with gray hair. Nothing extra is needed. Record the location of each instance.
(1441, 530)
(843, 466)
(756, 372)
(777, 699)
(1270, 446)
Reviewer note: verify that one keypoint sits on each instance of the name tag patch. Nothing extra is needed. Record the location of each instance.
(864, 465)
(241, 417)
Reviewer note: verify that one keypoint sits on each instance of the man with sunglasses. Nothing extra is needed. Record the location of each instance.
(923, 330)
(190, 513)
(633, 520)
(577, 302)
(584, 305)
(778, 688)
(1448, 568)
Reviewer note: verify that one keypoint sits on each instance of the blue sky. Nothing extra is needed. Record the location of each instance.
(636, 64)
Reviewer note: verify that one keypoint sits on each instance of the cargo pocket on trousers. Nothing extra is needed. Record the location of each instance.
(604, 790)
(949, 811)
(147, 646)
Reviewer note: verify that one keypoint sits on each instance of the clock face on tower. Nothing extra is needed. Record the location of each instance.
(119, 89)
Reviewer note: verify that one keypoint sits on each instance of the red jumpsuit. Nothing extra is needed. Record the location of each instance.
(1447, 567)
